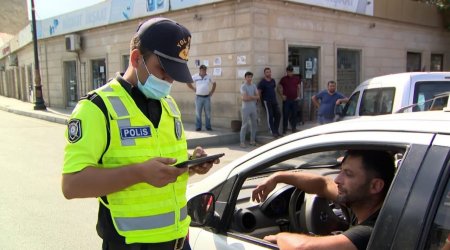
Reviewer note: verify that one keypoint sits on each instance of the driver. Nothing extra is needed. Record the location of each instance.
(361, 185)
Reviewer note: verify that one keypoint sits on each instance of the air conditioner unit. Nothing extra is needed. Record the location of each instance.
(73, 42)
(12, 60)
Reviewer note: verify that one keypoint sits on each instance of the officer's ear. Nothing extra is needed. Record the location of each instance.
(135, 58)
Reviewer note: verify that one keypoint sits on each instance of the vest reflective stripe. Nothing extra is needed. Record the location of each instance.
(107, 88)
(120, 110)
(118, 106)
(149, 222)
(172, 107)
(183, 213)
(126, 141)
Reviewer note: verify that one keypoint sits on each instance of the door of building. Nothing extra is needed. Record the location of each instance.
(348, 70)
(98, 73)
(70, 78)
(305, 61)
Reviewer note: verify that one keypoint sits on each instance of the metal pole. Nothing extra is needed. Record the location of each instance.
(39, 103)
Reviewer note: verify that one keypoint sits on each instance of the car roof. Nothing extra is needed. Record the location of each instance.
(405, 77)
(426, 122)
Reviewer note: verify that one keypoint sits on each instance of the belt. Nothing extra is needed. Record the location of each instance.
(169, 245)
(203, 95)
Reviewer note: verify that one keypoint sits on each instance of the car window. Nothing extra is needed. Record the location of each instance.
(439, 103)
(377, 101)
(350, 108)
(259, 220)
(426, 90)
(272, 215)
(439, 235)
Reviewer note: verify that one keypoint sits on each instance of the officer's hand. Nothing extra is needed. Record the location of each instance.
(158, 172)
(202, 168)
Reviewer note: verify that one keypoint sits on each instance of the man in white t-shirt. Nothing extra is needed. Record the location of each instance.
(204, 87)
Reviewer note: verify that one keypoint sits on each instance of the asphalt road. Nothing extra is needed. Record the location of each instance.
(33, 212)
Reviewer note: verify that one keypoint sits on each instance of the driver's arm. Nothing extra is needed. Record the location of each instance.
(291, 241)
(310, 183)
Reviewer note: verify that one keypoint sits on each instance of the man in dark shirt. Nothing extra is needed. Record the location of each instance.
(266, 89)
(289, 89)
(328, 98)
(361, 185)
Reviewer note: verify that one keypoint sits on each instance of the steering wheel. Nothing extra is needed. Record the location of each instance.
(316, 216)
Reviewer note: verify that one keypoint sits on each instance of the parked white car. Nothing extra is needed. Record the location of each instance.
(389, 93)
(415, 215)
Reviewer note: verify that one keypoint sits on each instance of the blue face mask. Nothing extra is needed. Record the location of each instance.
(154, 88)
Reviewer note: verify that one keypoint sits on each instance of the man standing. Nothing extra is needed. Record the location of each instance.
(361, 185)
(266, 88)
(289, 89)
(329, 98)
(204, 88)
(123, 140)
(250, 97)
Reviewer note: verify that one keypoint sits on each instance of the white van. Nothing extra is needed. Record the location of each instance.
(388, 94)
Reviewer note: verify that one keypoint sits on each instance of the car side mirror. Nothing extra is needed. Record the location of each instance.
(201, 209)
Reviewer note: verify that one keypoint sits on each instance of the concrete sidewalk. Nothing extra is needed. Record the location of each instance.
(217, 137)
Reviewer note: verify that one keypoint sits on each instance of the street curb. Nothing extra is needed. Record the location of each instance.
(42, 116)
(213, 141)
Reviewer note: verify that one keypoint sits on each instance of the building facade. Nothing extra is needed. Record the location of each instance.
(321, 41)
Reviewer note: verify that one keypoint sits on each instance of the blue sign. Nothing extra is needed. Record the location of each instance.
(135, 132)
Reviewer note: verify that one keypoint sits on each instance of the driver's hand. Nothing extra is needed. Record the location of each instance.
(271, 238)
(262, 191)
(289, 240)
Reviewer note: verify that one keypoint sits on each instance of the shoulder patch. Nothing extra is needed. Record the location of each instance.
(74, 130)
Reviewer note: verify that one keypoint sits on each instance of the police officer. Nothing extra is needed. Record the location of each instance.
(123, 139)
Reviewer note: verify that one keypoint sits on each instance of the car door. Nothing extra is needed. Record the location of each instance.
(350, 108)
(202, 238)
(408, 217)
(206, 240)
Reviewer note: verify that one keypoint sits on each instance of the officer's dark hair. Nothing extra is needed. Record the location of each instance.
(377, 163)
(135, 43)
(248, 73)
(202, 67)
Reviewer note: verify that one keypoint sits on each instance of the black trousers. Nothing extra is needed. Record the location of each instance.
(144, 246)
(290, 109)
(273, 116)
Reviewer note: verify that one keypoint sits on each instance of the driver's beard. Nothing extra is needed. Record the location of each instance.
(357, 197)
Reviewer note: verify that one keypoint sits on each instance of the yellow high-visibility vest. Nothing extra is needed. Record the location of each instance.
(143, 213)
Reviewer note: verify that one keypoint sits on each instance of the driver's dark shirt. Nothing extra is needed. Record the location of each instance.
(359, 234)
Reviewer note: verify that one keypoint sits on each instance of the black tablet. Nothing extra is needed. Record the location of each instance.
(198, 161)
